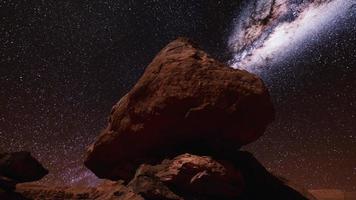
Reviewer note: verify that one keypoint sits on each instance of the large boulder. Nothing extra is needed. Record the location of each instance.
(19, 167)
(184, 102)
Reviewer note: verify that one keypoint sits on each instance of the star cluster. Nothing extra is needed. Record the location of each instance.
(265, 30)
(64, 64)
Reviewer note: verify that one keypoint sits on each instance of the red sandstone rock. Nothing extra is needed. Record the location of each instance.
(188, 177)
(203, 176)
(185, 102)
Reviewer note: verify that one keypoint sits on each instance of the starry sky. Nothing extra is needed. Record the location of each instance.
(64, 64)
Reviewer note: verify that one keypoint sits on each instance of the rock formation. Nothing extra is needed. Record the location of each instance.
(175, 136)
(185, 177)
(194, 113)
(200, 177)
(190, 176)
(19, 167)
(184, 102)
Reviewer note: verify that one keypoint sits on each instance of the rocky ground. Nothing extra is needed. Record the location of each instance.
(115, 190)
(175, 136)
(333, 194)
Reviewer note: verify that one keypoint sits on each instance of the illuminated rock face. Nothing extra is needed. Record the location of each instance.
(184, 102)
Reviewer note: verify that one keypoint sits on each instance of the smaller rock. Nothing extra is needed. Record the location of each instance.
(203, 176)
(20, 167)
(189, 176)
(151, 188)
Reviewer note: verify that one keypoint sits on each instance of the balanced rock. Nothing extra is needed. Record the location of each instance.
(184, 102)
(19, 167)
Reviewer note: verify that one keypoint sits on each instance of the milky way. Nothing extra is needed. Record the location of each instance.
(268, 31)
(64, 64)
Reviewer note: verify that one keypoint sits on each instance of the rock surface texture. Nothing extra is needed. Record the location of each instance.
(191, 177)
(185, 177)
(184, 102)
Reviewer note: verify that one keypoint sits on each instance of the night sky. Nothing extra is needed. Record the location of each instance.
(64, 64)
